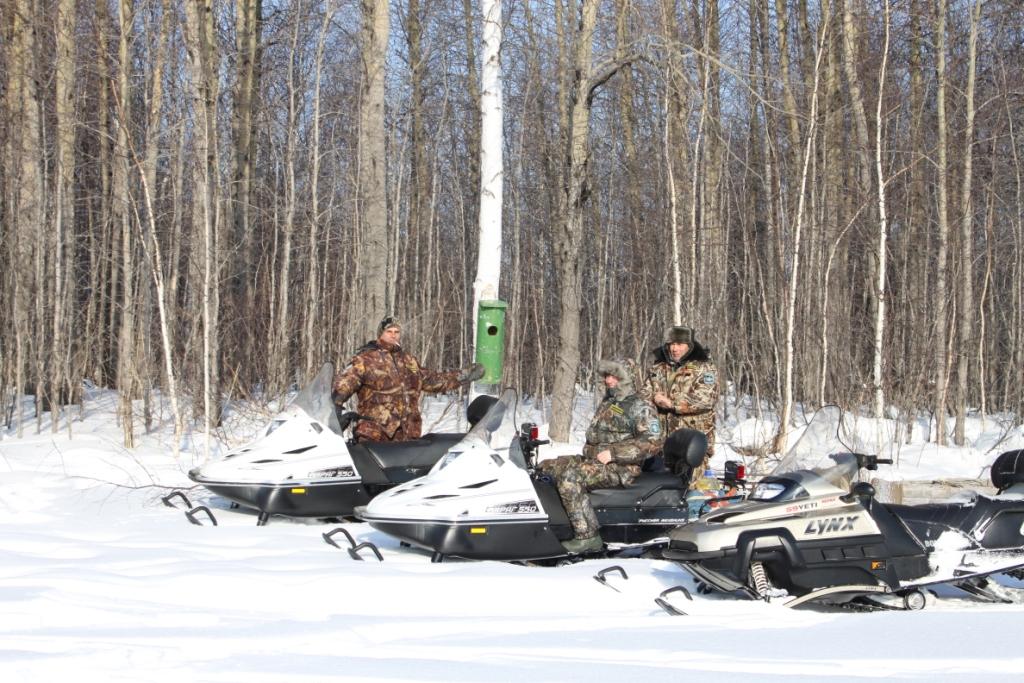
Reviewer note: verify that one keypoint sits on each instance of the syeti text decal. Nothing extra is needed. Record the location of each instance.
(830, 525)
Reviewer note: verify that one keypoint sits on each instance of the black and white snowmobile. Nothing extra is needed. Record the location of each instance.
(811, 531)
(486, 502)
(302, 465)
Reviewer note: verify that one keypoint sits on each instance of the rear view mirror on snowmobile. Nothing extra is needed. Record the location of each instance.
(529, 442)
(861, 491)
(734, 473)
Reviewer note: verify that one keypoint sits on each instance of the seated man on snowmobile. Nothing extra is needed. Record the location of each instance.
(624, 432)
(388, 383)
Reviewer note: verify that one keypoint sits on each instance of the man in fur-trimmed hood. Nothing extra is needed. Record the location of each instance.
(683, 386)
(623, 433)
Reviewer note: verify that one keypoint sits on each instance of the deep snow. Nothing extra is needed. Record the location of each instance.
(100, 581)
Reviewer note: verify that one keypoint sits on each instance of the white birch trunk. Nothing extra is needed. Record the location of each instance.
(787, 378)
(488, 267)
(883, 231)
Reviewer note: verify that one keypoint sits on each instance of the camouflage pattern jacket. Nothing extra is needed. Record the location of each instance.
(388, 383)
(626, 426)
(691, 385)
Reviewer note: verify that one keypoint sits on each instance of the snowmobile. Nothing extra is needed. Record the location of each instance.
(302, 465)
(809, 530)
(491, 503)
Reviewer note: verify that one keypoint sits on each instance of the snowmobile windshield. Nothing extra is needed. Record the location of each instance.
(315, 399)
(823, 450)
(496, 428)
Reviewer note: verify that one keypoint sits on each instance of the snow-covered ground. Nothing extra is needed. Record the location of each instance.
(100, 581)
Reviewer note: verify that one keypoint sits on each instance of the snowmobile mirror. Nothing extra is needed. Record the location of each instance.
(529, 435)
(861, 491)
(734, 472)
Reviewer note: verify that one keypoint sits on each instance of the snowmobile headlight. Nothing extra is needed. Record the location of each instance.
(333, 473)
(767, 490)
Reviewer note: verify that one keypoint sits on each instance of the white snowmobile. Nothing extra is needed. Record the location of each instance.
(302, 465)
(482, 501)
(811, 531)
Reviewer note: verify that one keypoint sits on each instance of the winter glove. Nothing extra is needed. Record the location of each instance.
(471, 373)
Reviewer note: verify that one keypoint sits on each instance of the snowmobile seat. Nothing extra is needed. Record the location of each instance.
(994, 522)
(686, 445)
(669, 491)
(381, 462)
(1008, 469)
(927, 521)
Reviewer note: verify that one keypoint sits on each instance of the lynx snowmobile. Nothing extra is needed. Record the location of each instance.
(302, 465)
(487, 502)
(810, 530)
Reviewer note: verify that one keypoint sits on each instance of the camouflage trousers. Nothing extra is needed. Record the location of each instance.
(575, 476)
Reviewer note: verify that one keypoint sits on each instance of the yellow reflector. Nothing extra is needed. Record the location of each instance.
(299, 491)
(878, 565)
(478, 530)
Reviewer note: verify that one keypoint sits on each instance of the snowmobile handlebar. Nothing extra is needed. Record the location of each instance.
(871, 462)
(346, 419)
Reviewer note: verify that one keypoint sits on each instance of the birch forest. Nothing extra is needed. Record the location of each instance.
(202, 201)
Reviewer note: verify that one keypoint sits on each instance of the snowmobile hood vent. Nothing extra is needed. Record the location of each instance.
(478, 485)
(296, 451)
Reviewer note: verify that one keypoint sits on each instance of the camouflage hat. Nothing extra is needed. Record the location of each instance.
(388, 321)
(678, 334)
(618, 367)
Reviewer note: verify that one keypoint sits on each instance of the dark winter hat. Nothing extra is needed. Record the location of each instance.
(388, 321)
(679, 334)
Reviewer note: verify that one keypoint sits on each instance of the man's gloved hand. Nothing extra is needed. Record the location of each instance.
(471, 373)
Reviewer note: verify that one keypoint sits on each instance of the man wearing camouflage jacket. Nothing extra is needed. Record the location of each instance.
(388, 383)
(683, 386)
(623, 433)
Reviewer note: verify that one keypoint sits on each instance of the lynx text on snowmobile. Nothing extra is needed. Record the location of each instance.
(489, 503)
(301, 465)
(810, 531)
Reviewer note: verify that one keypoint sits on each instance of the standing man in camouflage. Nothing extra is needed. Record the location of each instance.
(388, 383)
(623, 433)
(683, 386)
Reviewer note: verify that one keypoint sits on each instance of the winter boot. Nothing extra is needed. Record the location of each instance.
(579, 546)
